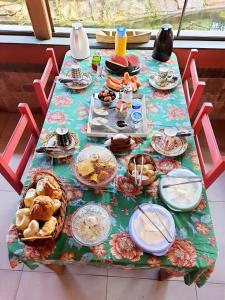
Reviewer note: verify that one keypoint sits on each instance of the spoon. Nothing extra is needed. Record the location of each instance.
(102, 122)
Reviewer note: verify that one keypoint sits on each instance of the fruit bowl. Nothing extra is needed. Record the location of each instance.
(95, 167)
(106, 97)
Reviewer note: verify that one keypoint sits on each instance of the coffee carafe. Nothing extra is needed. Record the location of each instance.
(163, 45)
(79, 44)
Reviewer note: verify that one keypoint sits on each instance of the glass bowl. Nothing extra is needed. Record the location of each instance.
(95, 166)
(91, 224)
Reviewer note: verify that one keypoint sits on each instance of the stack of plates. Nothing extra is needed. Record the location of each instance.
(146, 236)
(181, 197)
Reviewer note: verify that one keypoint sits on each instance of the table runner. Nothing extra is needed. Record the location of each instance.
(194, 252)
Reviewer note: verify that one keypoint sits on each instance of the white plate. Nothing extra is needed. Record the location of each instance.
(169, 86)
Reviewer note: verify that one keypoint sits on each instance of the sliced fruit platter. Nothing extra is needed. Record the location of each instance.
(121, 64)
(116, 83)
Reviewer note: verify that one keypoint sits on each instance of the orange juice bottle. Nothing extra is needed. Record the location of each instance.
(120, 41)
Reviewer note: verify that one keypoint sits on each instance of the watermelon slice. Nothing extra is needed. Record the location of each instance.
(120, 60)
(133, 60)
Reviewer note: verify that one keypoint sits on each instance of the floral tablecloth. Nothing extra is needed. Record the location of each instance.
(194, 252)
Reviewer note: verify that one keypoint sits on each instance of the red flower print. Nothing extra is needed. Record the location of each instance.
(144, 68)
(99, 250)
(176, 113)
(127, 187)
(182, 254)
(82, 113)
(56, 117)
(62, 101)
(162, 95)
(67, 256)
(12, 234)
(201, 205)
(124, 247)
(153, 189)
(39, 252)
(154, 262)
(68, 63)
(84, 129)
(14, 263)
(67, 227)
(208, 260)
(202, 228)
(213, 241)
(72, 192)
(152, 108)
(167, 164)
(125, 159)
(107, 261)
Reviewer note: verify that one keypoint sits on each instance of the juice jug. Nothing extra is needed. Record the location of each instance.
(120, 41)
(79, 44)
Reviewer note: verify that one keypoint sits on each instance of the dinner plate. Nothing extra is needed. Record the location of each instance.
(75, 85)
(179, 146)
(163, 246)
(168, 86)
(185, 201)
(51, 141)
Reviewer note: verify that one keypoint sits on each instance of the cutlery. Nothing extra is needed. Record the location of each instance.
(181, 183)
(181, 133)
(143, 212)
(142, 167)
(184, 177)
(67, 80)
(105, 125)
(54, 150)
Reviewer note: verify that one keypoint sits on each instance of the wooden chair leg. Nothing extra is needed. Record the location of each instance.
(59, 269)
(164, 274)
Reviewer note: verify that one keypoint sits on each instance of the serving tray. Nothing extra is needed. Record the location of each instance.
(102, 131)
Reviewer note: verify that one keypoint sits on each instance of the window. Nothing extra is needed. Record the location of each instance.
(14, 12)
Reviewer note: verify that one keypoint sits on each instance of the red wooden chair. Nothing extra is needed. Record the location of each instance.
(26, 120)
(190, 71)
(40, 84)
(218, 161)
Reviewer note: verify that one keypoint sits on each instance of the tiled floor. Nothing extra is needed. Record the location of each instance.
(83, 282)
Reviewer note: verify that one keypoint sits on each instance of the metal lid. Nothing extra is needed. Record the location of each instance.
(166, 27)
(77, 26)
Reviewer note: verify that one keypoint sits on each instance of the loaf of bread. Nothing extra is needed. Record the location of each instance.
(48, 227)
(42, 208)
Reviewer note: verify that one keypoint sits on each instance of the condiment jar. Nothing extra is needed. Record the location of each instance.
(121, 109)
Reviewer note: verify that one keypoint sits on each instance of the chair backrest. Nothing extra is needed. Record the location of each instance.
(40, 84)
(202, 122)
(26, 120)
(190, 72)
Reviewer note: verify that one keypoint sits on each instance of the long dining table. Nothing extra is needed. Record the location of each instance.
(194, 252)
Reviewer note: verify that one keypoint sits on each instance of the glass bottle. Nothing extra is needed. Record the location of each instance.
(163, 45)
(120, 41)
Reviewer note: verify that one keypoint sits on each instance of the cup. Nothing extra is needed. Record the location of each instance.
(163, 72)
(76, 72)
(63, 136)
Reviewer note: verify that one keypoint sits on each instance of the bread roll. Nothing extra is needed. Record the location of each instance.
(32, 229)
(29, 197)
(48, 186)
(57, 204)
(48, 227)
(42, 208)
(22, 218)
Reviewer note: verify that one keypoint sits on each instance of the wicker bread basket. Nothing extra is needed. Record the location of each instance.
(149, 161)
(59, 214)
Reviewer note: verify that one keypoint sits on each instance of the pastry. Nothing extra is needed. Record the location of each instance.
(42, 208)
(48, 227)
(102, 176)
(29, 197)
(32, 229)
(48, 186)
(56, 204)
(22, 218)
(85, 168)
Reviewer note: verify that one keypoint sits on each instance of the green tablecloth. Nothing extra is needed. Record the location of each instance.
(194, 252)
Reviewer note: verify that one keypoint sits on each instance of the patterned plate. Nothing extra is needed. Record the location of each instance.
(76, 85)
(177, 148)
(51, 141)
(169, 86)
